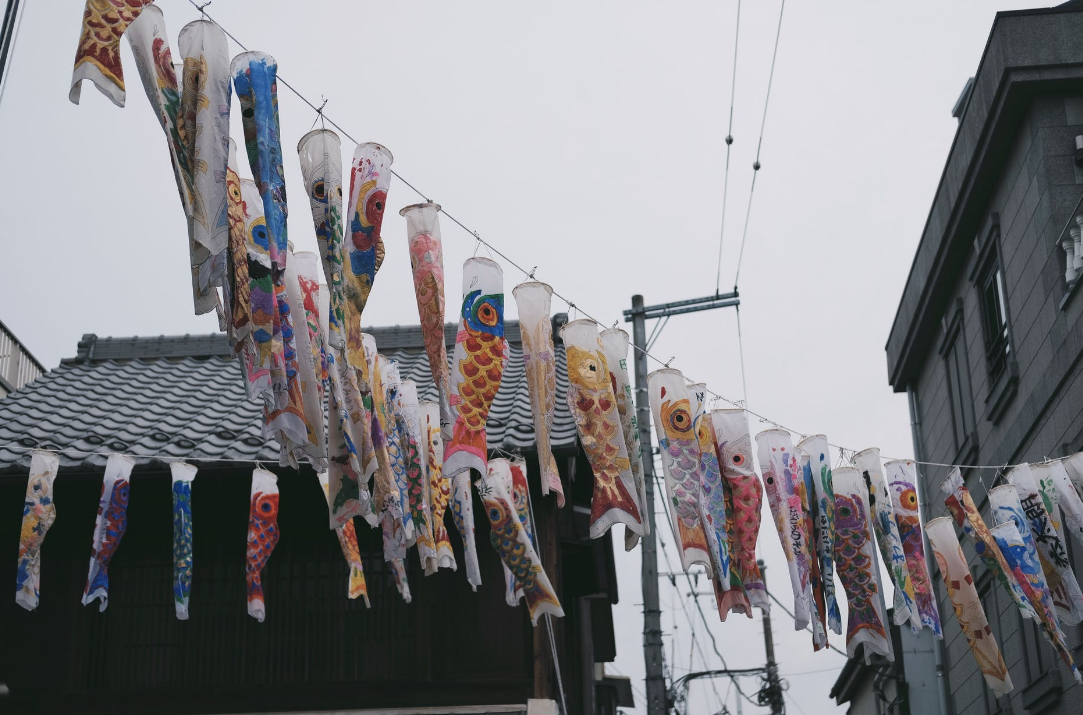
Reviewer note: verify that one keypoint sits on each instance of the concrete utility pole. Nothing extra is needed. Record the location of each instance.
(652, 612)
(8, 27)
(774, 687)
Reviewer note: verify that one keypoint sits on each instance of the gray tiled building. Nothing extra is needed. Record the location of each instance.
(988, 335)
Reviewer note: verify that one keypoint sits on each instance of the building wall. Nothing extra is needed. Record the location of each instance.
(1042, 416)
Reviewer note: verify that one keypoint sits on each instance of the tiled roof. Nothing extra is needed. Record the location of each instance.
(183, 396)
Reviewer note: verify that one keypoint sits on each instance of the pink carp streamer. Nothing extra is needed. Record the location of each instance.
(534, 303)
(427, 265)
(779, 469)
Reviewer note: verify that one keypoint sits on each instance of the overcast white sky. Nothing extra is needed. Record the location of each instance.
(584, 138)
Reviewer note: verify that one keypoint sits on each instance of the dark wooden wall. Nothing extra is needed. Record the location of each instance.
(316, 650)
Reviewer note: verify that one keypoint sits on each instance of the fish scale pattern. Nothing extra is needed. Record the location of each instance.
(183, 396)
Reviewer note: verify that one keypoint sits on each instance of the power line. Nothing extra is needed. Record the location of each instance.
(807, 628)
(729, 144)
(759, 144)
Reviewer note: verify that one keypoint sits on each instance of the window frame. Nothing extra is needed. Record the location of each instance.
(960, 390)
(1002, 371)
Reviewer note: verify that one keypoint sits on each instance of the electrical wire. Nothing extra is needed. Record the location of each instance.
(729, 144)
(530, 273)
(789, 613)
(759, 145)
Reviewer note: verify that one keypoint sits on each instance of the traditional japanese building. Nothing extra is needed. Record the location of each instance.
(988, 337)
(450, 650)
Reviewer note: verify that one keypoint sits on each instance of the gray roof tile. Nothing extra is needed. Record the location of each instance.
(183, 396)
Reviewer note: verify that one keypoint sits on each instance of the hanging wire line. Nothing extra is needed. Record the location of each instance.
(729, 144)
(794, 703)
(741, 353)
(571, 304)
(759, 145)
(789, 613)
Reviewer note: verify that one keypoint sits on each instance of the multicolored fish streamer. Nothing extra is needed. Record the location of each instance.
(480, 352)
(347, 541)
(962, 507)
(855, 555)
(510, 540)
(534, 303)
(254, 79)
(734, 449)
(968, 608)
(671, 409)
(714, 510)
(887, 537)
(1020, 556)
(780, 472)
(520, 496)
(262, 537)
(385, 495)
(149, 41)
(594, 406)
(1005, 507)
(500, 473)
(439, 485)
(205, 104)
(417, 481)
(320, 152)
(97, 56)
(427, 266)
(818, 476)
(347, 495)
(397, 520)
(369, 436)
(302, 296)
(109, 527)
(238, 281)
(39, 513)
(398, 448)
(615, 347)
(183, 475)
(1052, 551)
(370, 178)
(806, 494)
(396, 564)
(262, 353)
(901, 478)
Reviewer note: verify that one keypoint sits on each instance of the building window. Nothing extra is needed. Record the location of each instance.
(994, 316)
(987, 594)
(1034, 657)
(957, 376)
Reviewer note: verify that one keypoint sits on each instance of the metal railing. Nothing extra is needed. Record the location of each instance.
(17, 365)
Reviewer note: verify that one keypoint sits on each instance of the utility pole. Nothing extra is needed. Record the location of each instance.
(8, 28)
(774, 687)
(652, 612)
